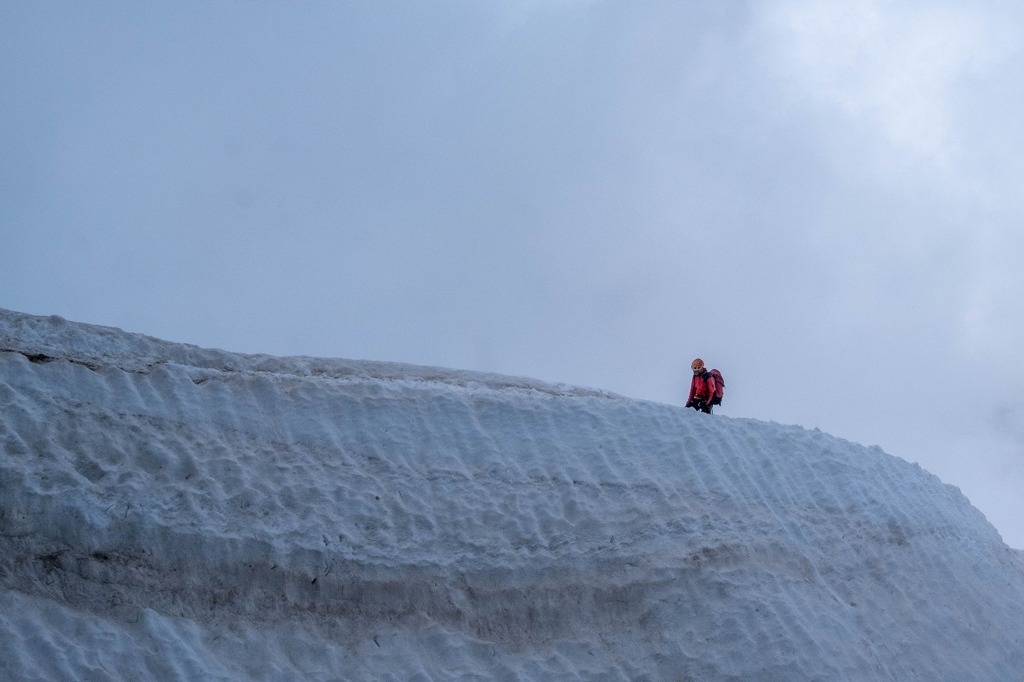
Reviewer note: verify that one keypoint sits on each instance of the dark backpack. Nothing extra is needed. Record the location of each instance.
(719, 387)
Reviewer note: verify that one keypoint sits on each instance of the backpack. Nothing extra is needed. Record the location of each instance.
(719, 387)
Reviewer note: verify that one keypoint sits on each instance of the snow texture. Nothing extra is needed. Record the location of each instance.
(174, 513)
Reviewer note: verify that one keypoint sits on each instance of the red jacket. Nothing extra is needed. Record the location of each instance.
(702, 387)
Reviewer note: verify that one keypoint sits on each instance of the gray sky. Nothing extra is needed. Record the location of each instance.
(822, 199)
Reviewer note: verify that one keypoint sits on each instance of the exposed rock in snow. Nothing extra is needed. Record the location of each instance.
(170, 512)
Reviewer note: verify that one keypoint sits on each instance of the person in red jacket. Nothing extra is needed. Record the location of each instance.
(702, 387)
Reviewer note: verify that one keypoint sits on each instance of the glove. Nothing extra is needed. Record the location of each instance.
(689, 403)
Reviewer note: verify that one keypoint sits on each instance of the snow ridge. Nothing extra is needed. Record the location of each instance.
(172, 512)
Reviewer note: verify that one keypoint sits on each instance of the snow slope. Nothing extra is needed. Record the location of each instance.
(174, 513)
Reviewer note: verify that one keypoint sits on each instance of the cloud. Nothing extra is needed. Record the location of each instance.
(892, 64)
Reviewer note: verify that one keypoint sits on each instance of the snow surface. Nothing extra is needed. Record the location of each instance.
(175, 513)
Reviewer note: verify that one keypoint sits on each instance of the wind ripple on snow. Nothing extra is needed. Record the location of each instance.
(277, 518)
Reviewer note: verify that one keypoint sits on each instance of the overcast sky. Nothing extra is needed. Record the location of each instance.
(822, 199)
